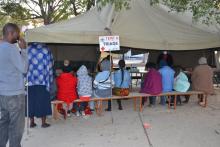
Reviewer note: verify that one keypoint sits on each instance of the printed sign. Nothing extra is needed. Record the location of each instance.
(109, 43)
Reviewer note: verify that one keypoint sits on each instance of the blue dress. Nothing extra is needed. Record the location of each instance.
(40, 78)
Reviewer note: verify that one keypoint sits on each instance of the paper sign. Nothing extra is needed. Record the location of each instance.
(109, 43)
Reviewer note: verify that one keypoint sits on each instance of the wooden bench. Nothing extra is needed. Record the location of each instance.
(134, 96)
(174, 94)
(55, 109)
(99, 102)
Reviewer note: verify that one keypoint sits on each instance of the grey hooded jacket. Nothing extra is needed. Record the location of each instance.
(84, 85)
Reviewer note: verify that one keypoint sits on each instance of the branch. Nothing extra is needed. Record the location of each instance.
(32, 9)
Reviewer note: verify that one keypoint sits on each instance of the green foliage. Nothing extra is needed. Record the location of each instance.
(206, 11)
(49, 11)
(12, 12)
(119, 4)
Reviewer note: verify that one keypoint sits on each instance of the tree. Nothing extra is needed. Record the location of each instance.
(12, 13)
(81, 6)
(206, 11)
(49, 11)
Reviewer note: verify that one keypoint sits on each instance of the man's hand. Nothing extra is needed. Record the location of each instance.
(22, 43)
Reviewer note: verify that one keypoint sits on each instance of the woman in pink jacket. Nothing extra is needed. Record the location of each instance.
(152, 82)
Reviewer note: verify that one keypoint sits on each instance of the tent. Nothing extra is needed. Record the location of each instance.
(141, 27)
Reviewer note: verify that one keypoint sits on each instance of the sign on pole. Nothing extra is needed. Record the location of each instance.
(109, 43)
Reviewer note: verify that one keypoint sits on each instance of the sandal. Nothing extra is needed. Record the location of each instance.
(33, 125)
(45, 125)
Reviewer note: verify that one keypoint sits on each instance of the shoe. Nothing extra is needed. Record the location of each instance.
(68, 113)
(108, 109)
(185, 101)
(45, 125)
(62, 112)
(151, 105)
(83, 113)
(120, 108)
(33, 125)
(202, 103)
(77, 113)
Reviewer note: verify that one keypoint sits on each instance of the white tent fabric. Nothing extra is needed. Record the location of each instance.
(143, 26)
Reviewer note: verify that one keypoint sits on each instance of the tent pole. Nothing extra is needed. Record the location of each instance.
(27, 107)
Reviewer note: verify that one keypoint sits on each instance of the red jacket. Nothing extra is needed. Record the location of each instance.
(66, 87)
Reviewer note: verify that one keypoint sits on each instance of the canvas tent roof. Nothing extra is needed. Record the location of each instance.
(142, 26)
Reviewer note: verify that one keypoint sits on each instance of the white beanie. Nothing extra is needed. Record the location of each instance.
(202, 60)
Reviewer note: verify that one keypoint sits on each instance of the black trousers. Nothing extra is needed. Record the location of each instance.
(110, 104)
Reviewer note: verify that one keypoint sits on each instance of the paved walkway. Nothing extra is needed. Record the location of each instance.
(189, 126)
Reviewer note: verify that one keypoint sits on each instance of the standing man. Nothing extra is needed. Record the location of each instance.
(13, 64)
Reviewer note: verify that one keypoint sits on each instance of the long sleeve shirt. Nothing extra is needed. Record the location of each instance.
(13, 66)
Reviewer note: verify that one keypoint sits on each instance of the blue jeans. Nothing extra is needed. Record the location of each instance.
(12, 120)
(163, 100)
(152, 100)
(80, 107)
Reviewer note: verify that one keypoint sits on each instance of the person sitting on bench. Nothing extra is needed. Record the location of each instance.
(202, 78)
(104, 82)
(66, 89)
(84, 88)
(122, 80)
(181, 82)
(167, 74)
(152, 83)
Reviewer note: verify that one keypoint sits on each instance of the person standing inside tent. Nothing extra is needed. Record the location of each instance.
(104, 82)
(67, 66)
(122, 80)
(167, 57)
(167, 74)
(40, 78)
(152, 83)
(13, 64)
(202, 78)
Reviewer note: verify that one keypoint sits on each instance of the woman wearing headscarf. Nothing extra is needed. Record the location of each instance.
(202, 78)
(40, 78)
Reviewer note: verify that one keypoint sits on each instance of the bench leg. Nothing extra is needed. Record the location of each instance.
(175, 102)
(99, 108)
(55, 111)
(141, 104)
(135, 103)
(206, 99)
(169, 101)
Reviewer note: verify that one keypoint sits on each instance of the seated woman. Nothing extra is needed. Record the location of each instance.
(152, 82)
(202, 79)
(66, 88)
(104, 82)
(122, 81)
(181, 82)
(167, 74)
(84, 88)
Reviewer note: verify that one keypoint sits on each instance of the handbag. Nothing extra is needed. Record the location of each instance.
(120, 91)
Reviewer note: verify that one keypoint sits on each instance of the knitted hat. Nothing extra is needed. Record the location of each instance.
(202, 60)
